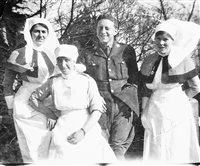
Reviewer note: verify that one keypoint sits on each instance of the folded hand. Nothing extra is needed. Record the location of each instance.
(76, 137)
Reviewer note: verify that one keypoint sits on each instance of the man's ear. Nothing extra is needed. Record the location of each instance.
(116, 32)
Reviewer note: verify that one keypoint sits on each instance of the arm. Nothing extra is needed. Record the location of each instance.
(77, 136)
(9, 78)
(144, 92)
(38, 96)
(193, 88)
(96, 108)
(144, 102)
(193, 83)
(131, 63)
(145, 95)
(96, 105)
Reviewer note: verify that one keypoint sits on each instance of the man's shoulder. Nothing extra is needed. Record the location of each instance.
(126, 47)
(122, 44)
(86, 52)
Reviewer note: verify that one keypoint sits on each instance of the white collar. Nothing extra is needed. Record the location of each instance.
(69, 76)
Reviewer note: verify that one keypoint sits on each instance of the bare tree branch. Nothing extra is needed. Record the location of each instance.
(40, 8)
(70, 21)
(191, 13)
(163, 9)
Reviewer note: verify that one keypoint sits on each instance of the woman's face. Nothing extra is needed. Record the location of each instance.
(39, 35)
(65, 65)
(163, 44)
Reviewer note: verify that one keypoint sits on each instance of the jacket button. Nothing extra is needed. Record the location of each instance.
(112, 90)
(109, 69)
(110, 80)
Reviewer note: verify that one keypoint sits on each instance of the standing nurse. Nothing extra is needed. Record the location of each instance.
(33, 63)
(170, 131)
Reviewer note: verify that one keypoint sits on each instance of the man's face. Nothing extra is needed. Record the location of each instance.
(106, 31)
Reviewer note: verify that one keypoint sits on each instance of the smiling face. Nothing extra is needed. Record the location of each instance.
(106, 31)
(39, 34)
(163, 43)
(66, 65)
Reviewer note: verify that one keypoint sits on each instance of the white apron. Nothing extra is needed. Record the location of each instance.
(92, 149)
(33, 136)
(72, 98)
(170, 132)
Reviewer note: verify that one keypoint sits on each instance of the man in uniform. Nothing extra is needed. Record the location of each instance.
(113, 65)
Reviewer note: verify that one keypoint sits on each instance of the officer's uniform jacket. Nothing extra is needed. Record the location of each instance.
(116, 73)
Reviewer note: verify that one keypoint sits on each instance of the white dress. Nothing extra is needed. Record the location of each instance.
(170, 132)
(32, 134)
(76, 97)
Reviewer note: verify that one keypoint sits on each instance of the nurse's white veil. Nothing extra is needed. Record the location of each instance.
(186, 37)
(51, 41)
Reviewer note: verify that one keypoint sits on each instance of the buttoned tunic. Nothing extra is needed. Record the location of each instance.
(114, 72)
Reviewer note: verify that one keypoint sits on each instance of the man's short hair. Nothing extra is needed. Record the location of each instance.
(108, 17)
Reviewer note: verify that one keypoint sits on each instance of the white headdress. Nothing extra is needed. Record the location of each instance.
(68, 51)
(186, 36)
(51, 41)
(71, 52)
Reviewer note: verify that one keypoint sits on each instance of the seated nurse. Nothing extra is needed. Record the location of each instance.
(76, 136)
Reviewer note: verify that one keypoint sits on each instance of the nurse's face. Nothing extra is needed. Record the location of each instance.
(65, 65)
(106, 31)
(163, 44)
(39, 34)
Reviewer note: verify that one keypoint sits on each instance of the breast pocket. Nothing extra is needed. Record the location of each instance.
(124, 69)
(97, 70)
(92, 69)
(121, 69)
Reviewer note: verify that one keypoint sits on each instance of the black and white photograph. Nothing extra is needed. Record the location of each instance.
(100, 82)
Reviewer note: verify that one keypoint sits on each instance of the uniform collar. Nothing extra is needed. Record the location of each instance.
(110, 45)
(100, 49)
(69, 76)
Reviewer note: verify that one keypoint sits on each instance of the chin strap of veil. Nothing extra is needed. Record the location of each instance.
(186, 37)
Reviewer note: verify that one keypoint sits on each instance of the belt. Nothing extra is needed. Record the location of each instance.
(103, 86)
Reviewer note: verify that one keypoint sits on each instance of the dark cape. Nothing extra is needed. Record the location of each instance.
(17, 63)
(179, 74)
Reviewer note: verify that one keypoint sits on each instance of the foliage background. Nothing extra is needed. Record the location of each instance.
(74, 22)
